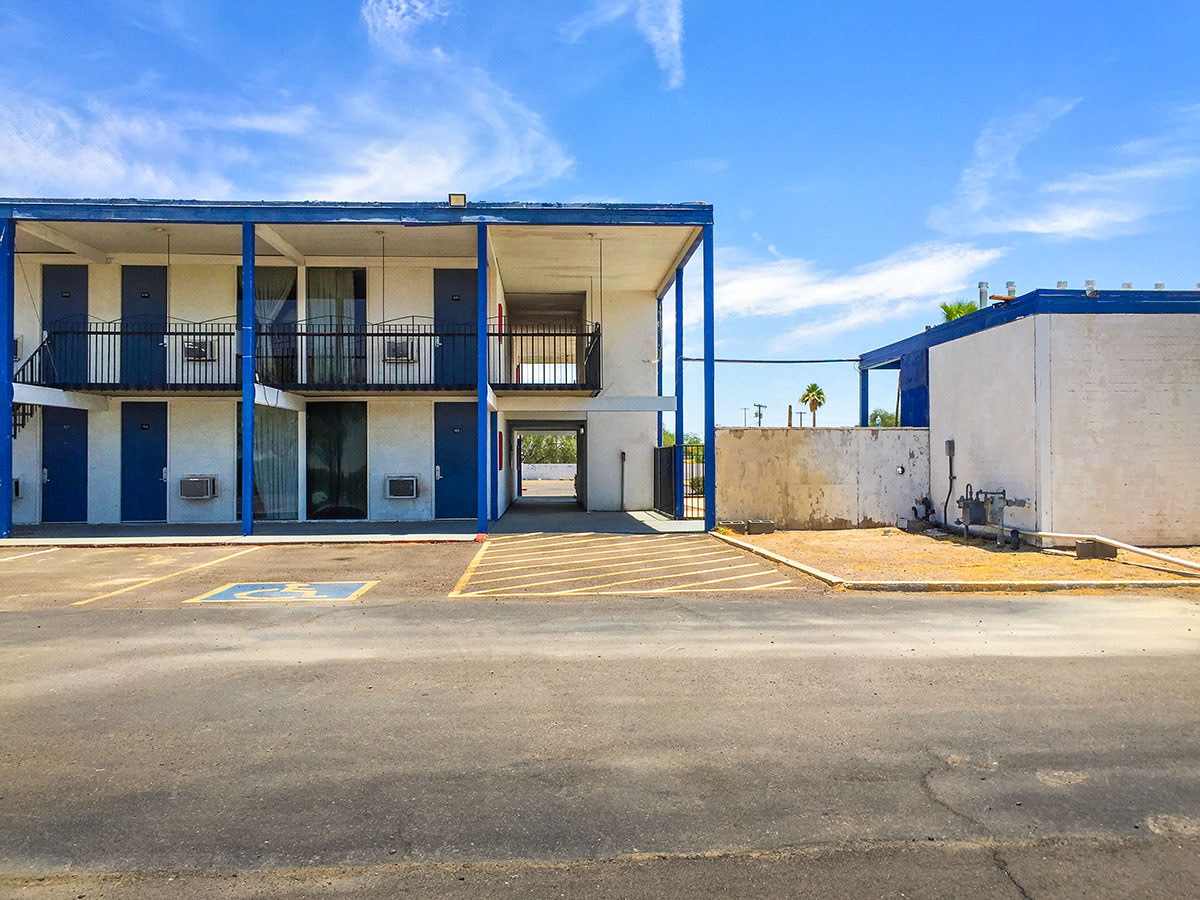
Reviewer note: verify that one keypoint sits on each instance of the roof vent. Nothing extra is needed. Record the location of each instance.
(1127, 285)
(1062, 285)
(1011, 287)
(1159, 286)
(1089, 285)
(983, 294)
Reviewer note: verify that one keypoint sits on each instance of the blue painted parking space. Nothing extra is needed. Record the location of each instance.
(286, 591)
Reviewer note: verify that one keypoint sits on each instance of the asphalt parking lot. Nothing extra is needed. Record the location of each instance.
(538, 565)
(767, 743)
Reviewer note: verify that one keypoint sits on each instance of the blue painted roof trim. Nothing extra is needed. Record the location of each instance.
(317, 212)
(683, 261)
(1031, 304)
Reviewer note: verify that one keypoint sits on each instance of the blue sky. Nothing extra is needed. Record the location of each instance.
(867, 160)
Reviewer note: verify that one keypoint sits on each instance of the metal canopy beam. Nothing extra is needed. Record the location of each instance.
(44, 232)
(37, 395)
(280, 243)
(216, 213)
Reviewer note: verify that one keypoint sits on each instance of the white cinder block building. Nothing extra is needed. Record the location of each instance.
(374, 361)
(1085, 404)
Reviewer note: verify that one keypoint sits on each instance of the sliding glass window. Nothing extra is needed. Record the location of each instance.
(275, 314)
(337, 460)
(276, 463)
(337, 318)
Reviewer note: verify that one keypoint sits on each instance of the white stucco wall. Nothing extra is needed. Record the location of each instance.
(821, 478)
(609, 433)
(550, 471)
(983, 394)
(27, 466)
(399, 442)
(104, 464)
(201, 440)
(1125, 427)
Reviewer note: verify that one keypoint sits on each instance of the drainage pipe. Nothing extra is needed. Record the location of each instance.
(1056, 536)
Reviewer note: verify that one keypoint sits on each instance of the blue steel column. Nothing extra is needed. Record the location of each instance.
(8, 257)
(481, 496)
(248, 325)
(679, 393)
(710, 378)
(864, 402)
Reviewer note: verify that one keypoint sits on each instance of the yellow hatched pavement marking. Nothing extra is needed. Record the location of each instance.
(720, 580)
(517, 587)
(456, 591)
(613, 584)
(649, 556)
(150, 581)
(590, 551)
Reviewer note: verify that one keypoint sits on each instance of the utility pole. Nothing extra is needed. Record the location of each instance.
(800, 413)
(745, 409)
(789, 415)
(758, 408)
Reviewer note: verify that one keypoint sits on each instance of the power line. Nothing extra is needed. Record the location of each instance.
(773, 362)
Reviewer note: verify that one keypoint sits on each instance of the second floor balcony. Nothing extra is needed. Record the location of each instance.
(154, 355)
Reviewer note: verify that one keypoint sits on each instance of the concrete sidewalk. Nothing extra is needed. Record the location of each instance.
(163, 535)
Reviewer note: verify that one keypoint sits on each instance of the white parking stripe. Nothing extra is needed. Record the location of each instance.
(34, 553)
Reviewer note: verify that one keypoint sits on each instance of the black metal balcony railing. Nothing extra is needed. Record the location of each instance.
(143, 353)
(153, 354)
(545, 357)
(338, 355)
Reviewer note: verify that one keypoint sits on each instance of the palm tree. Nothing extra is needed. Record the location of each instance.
(814, 397)
(958, 309)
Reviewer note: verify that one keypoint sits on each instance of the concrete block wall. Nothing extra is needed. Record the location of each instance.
(984, 391)
(821, 478)
(1124, 411)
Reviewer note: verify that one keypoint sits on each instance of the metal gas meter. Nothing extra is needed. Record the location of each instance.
(987, 508)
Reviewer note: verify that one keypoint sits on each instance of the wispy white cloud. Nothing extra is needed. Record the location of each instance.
(819, 304)
(994, 196)
(391, 24)
(660, 23)
(457, 130)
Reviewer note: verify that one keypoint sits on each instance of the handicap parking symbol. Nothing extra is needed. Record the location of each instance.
(287, 592)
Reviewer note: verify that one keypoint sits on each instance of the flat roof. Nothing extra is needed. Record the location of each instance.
(1036, 302)
(326, 212)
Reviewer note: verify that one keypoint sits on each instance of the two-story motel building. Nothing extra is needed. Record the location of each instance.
(373, 360)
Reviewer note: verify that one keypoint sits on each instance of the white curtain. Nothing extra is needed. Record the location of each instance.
(331, 311)
(273, 287)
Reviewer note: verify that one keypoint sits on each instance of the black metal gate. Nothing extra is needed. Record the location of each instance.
(665, 461)
(664, 480)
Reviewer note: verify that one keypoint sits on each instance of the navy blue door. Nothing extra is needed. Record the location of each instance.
(455, 451)
(143, 462)
(64, 459)
(143, 325)
(64, 317)
(454, 319)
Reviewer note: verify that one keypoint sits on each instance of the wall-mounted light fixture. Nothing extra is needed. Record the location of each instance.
(458, 200)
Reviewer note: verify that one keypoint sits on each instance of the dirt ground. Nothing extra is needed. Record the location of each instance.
(887, 554)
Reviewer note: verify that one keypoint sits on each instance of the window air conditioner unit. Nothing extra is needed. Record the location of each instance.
(199, 350)
(198, 487)
(401, 487)
(17, 348)
(399, 351)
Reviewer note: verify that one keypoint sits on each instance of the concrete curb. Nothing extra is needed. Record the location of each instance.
(236, 540)
(954, 586)
(831, 580)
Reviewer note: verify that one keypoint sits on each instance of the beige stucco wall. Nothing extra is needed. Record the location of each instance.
(400, 442)
(819, 478)
(201, 440)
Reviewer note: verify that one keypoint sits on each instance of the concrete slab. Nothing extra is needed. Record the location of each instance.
(552, 515)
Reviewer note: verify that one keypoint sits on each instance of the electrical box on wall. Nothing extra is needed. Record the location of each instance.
(400, 487)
